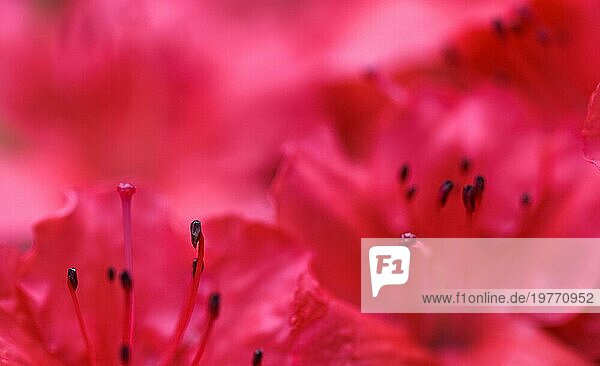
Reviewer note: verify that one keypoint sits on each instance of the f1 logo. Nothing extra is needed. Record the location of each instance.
(389, 265)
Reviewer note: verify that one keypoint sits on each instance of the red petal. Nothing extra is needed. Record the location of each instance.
(550, 60)
(20, 346)
(255, 268)
(18, 340)
(324, 201)
(329, 332)
(583, 332)
(591, 130)
(87, 234)
(483, 339)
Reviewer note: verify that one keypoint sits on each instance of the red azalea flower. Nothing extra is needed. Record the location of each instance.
(267, 299)
(194, 96)
(422, 159)
(308, 185)
(155, 90)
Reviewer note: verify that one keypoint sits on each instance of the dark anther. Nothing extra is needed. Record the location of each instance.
(468, 197)
(72, 277)
(543, 36)
(498, 27)
(465, 165)
(196, 231)
(257, 357)
(111, 273)
(479, 183)
(525, 199)
(214, 304)
(370, 73)
(124, 354)
(126, 281)
(403, 173)
(444, 191)
(411, 191)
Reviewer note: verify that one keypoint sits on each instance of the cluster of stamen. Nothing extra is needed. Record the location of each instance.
(521, 20)
(126, 192)
(471, 193)
(403, 178)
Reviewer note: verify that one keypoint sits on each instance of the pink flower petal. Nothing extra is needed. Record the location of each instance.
(591, 130)
(87, 234)
(330, 332)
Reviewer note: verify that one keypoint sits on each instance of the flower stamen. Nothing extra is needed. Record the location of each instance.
(111, 274)
(214, 305)
(403, 173)
(127, 340)
(444, 192)
(72, 283)
(197, 238)
(124, 354)
(465, 165)
(469, 198)
(498, 28)
(257, 357)
(479, 183)
(525, 199)
(410, 192)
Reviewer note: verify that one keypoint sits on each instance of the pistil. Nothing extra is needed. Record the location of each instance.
(126, 191)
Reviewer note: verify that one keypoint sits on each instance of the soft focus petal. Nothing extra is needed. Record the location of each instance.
(544, 50)
(255, 268)
(24, 199)
(323, 199)
(87, 234)
(583, 332)
(20, 346)
(327, 331)
(470, 339)
(19, 343)
(591, 130)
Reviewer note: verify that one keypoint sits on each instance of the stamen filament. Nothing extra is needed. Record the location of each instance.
(214, 304)
(203, 342)
(72, 283)
(197, 238)
(184, 319)
(126, 191)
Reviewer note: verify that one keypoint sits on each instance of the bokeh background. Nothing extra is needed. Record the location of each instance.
(195, 97)
(330, 120)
